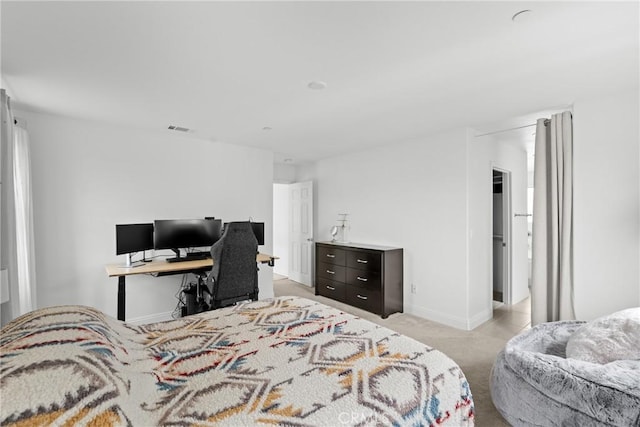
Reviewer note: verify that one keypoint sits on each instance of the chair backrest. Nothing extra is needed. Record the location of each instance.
(234, 271)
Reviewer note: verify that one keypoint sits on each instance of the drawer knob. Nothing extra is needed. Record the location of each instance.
(361, 297)
(331, 288)
(331, 255)
(331, 272)
(363, 279)
(363, 261)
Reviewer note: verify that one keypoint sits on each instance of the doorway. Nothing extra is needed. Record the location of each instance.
(509, 147)
(281, 230)
(501, 236)
(293, 231)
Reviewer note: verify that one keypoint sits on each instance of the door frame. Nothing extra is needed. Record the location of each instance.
(507, 216)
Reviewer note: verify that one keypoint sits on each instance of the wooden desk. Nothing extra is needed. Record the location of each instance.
(162, 267)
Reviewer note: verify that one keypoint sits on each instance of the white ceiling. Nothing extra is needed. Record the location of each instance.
(394, 70)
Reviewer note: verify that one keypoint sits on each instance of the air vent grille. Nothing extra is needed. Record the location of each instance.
(178, 128)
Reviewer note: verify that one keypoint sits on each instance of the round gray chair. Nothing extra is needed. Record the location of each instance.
(534, 384)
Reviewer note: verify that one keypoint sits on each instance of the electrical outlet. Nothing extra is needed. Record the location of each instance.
(413, 288)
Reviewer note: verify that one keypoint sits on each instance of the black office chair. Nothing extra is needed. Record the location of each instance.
(234, 275)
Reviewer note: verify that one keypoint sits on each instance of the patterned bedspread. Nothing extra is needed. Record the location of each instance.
(287, 361)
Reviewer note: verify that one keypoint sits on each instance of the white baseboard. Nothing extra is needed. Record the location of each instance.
(449, 320)
(437, 316)
(480, 318)
(151, 318)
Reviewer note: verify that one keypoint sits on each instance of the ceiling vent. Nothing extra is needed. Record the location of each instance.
(178, 128)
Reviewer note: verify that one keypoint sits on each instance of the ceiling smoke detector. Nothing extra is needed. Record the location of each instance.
(178, 128)
(317, 85)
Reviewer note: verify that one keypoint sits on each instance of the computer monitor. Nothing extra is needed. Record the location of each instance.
(133, 238)
(258, 230)
(175, 234)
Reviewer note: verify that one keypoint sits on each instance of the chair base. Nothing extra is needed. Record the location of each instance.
(215, 304)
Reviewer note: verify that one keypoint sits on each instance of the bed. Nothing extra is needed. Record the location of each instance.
(282, 361)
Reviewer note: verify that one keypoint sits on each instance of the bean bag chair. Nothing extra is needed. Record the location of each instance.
(571, 373)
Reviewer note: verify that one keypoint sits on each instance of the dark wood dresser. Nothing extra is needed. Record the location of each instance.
(364, 276)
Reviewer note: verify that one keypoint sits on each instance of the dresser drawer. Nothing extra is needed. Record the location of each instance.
(365, 299)
(331, 272)
(330, 289)
(363, 278)
(331, 255)
(363, 260)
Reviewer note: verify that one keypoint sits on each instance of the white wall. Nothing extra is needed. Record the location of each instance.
(433, 198)
(284, 173)
(411, 195)
(87, 177)
(606, 204)
(281, 228)
(306, 172)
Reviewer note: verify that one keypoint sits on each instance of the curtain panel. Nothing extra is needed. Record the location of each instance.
(7, 210)
(552, 263)
(17, 255)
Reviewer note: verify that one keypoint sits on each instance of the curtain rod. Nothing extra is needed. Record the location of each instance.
(546, 122)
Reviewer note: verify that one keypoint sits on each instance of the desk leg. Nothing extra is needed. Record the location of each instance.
(121, 297)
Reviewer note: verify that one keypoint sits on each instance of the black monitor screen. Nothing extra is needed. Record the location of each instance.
(133, 238)
(258, 231)
(186, 233)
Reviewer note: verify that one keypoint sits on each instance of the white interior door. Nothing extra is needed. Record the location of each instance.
(301, 232)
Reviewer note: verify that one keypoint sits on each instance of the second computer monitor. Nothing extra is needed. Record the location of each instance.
(258, 230)
(186, 233)
(132, 238)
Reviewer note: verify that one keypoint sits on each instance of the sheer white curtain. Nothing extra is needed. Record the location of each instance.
(24, 220)
(17, 255)
(552, 263)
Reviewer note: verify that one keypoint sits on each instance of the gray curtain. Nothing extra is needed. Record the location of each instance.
(17, 258)
(552, 263)
(7, 209)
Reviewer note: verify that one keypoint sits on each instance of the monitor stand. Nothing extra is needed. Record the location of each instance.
(128, 263)
(144, 257)
(177, 257)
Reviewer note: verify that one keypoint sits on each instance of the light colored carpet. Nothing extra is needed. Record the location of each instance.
(475, 351)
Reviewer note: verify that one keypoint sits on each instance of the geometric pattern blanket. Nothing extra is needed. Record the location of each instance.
(282, 361)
